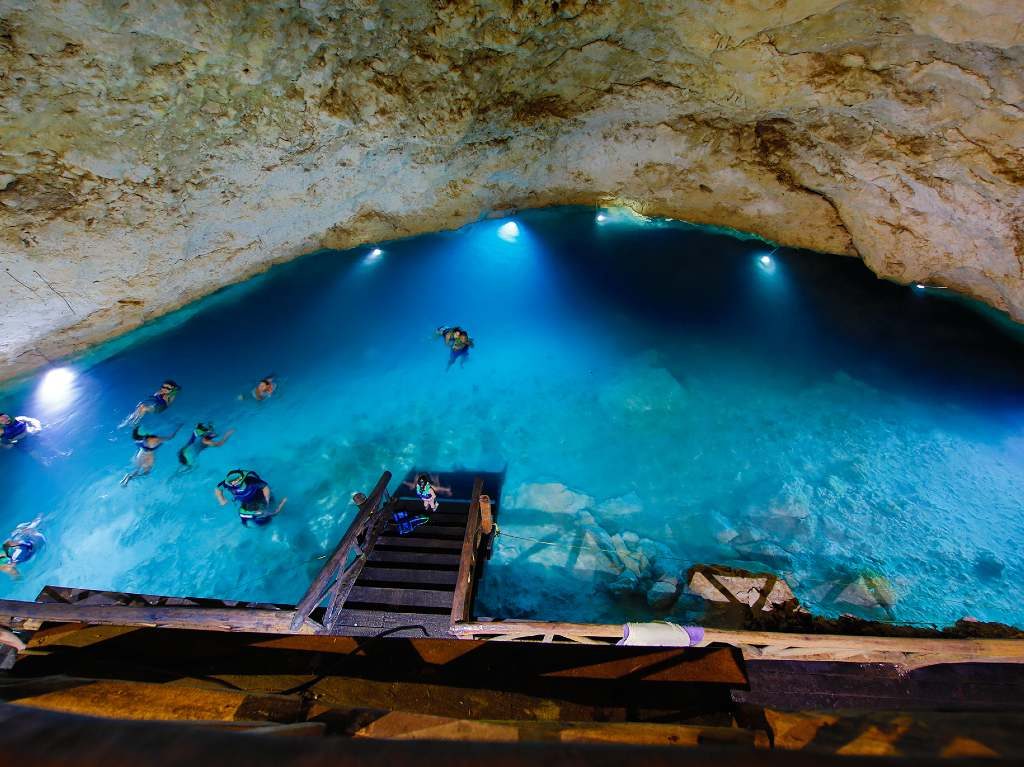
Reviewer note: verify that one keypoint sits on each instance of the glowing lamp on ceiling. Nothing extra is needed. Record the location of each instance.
(509, 231)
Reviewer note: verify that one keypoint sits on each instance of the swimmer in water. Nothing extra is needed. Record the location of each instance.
(203, 436)
(252, 495)
(427, 489)
(265, 388)
(146, 457)
(158, 402)
(21, 545)
(458, 340)
(15, 428)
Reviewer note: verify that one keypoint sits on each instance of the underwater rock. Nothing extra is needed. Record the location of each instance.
(987, 565)
(624, 506)
(642, 389)
(626, 585)
(663, 594)
(760, 591)
(870, 591)
(552, 497)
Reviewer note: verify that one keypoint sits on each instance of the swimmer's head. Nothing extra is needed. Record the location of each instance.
(5, 419)
(234, 478)
(170, 385)
(203, 428)
(422, 479)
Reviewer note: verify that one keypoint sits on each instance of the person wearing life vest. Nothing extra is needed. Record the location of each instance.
(252, 495)
(145, 458)
(458, 340)
(15, 428)
(203, 436)
(426, 489)
(21, 545)
(264, 389)
(157, 402)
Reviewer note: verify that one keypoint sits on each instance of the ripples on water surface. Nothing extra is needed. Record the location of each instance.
(799, 416)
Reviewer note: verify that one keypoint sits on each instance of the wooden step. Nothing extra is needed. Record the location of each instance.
(437, 579)
(404, 542)
(402, 599)
(428, 530)
(360, 622)
(414, 559)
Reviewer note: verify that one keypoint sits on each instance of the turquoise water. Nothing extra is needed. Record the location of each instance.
(650, 387)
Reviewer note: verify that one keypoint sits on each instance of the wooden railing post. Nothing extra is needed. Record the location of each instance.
(318, 588)
(467, 562)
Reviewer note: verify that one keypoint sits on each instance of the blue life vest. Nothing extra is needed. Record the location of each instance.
(14, 430)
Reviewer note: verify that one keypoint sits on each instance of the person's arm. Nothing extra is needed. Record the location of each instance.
(11, 640)
(211, 443)
(410, 485)
(220, 496)
(266, 494)
(443, 490)
(11, 570)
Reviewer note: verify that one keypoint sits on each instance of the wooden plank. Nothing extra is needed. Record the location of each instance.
(412, 559)
(381, 621)
(906, 651)
(453, 532)
(397, 542)
(400, 597)
(213, 619)
(318, 588)
(391, 575)
(467, 560)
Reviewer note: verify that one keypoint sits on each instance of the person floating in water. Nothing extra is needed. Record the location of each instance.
(458, 340)
(251, 493)
(146, 457)
(15, 428)
(265, 388)
(427, 489)
(21, 545)
(203, 436)
(158, 402)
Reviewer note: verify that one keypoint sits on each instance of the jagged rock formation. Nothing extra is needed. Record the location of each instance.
(152, 152)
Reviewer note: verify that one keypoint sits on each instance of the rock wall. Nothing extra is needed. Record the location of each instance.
(152, 151)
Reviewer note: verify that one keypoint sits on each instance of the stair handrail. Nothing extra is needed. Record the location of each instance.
(467, 561)
(329, 572)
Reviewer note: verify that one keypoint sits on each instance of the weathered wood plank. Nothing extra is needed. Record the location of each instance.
(318, 588)
(467, 560)
(412, 559)
(213, 619)
(400, 597)
(391, 575)
(910, 652)
(401, 542)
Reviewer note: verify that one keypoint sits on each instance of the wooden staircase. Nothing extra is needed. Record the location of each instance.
(407, 585)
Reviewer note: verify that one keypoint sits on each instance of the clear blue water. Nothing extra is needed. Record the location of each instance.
(651, 378)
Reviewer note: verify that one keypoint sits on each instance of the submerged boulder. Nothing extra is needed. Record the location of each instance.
(664, 593)
(553, 497)
(759, 591)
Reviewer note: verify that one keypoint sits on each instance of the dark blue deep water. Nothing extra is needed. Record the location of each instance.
(658, 394)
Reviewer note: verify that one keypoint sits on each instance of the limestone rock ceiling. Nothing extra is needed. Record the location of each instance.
(151, 152)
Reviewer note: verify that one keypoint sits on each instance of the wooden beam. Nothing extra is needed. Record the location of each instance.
(909, 652)
(212, 619)
(318, 588)
(467, 561)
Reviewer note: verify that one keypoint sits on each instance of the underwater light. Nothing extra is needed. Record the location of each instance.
(56, 386)
(766, 260)
(601, 218)
(373, 256)
(376, 253)
(508, 232)
(919, 286)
